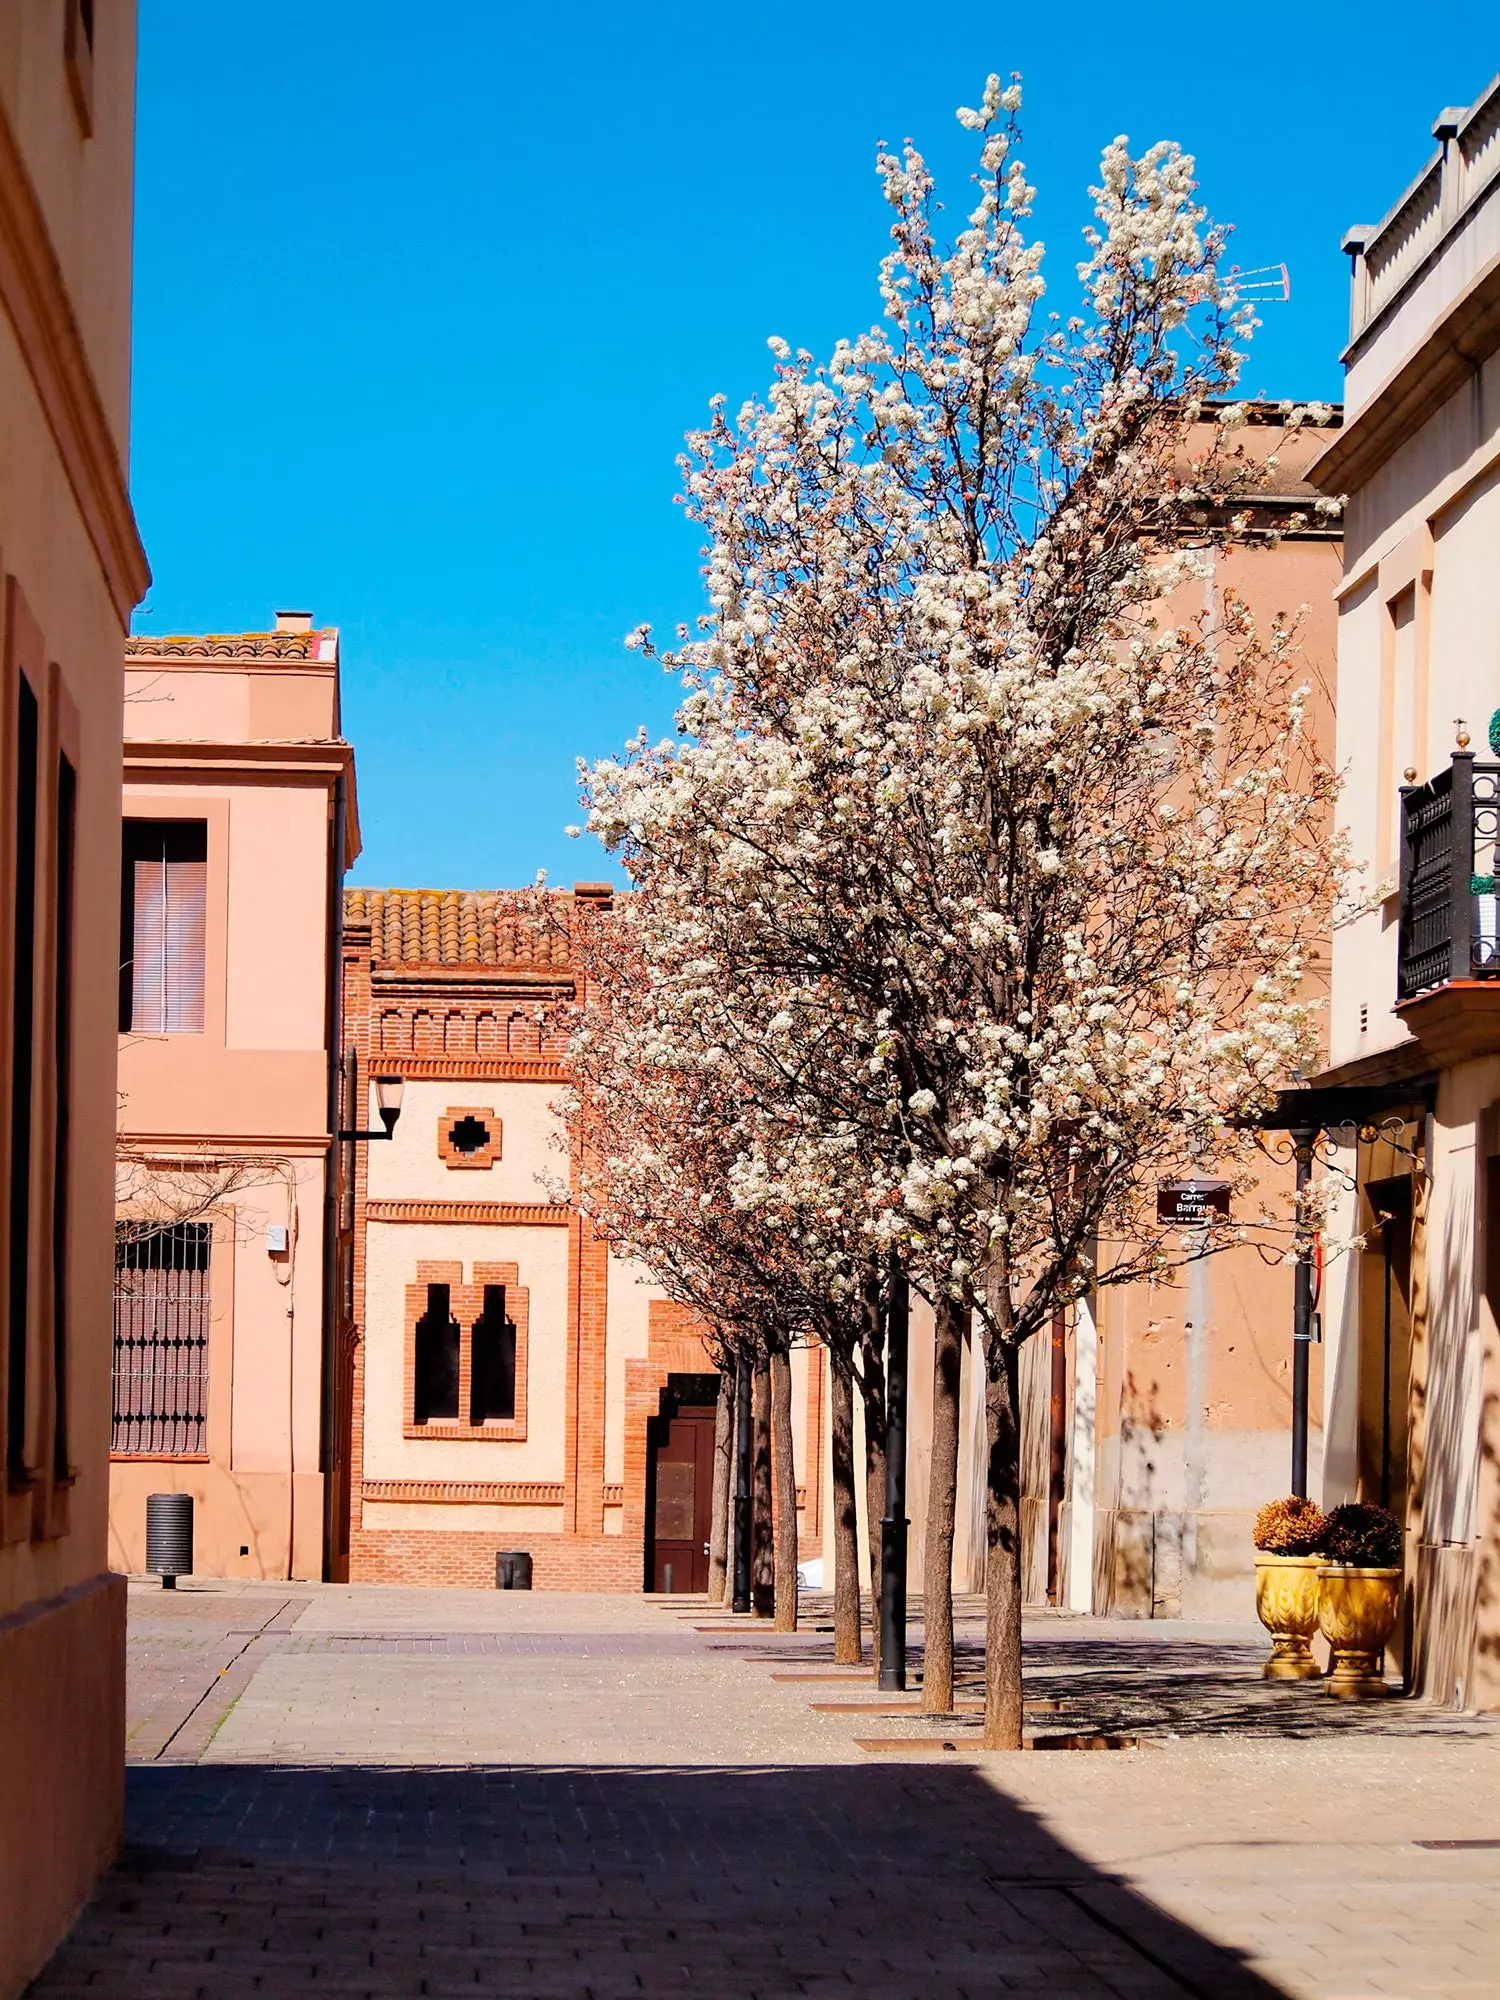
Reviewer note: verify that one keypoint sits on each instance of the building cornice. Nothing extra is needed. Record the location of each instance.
(194, 1149)
(325, 758)
(1438, 367)
(35, 297)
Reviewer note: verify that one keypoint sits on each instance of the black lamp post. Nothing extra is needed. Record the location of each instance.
(1303, 1139)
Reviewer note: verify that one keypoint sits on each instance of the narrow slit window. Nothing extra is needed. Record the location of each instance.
(163, 918)
(435, 1398)
(23, 1017)
(492, 1377)
(62, 1060)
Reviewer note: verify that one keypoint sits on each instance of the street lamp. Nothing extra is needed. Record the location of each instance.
(388, 1094)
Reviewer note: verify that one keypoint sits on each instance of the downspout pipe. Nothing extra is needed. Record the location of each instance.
(333, 1033)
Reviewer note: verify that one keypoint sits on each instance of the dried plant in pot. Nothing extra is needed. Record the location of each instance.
(1359, 1596)
(1287, 1537)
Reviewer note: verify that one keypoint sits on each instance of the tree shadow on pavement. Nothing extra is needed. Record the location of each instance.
(536, 1881)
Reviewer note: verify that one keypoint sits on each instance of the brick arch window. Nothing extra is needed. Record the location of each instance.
(466, 1352)
(523, 1036)
(435, 1394)
(492, 1367)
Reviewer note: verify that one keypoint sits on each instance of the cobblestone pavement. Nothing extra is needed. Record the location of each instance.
(389, 1792)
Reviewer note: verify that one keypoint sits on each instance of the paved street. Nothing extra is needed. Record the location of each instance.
(396, 1792)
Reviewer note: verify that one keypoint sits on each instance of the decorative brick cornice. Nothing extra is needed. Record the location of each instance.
(545, 1214)
(471, 1069)
(469, 1492)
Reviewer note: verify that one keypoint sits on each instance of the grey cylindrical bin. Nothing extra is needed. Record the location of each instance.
(169, 1536)
(512, 1569)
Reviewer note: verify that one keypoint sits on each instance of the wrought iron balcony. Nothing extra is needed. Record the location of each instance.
(1449, 907)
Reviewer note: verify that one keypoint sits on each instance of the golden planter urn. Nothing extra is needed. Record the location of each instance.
(1286, 1602)
(1357, 1611)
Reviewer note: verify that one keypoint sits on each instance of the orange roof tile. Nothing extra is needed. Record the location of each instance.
(459, 927)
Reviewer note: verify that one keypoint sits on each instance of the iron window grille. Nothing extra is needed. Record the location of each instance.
(161, 1340)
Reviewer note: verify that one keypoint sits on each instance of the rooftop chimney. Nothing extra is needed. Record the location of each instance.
(294, 621)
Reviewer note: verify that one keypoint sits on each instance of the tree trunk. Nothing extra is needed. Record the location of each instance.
(718, 1542)
(874, 1517)
(848, 1644)
(942, 1497)
(1002, 1574)
(872, 1391)
(784, 1472)
(763, 1562)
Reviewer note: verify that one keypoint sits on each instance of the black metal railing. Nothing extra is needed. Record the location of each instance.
(1450, 914)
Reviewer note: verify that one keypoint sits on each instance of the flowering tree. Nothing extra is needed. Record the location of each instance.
(992, 840)
(654, 1130)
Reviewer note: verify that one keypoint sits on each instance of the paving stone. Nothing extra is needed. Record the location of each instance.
(381, 1792)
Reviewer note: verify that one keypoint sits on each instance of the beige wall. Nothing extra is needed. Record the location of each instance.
(74, 567)
(411, 1167)
(629, 1297)
(1419, 648)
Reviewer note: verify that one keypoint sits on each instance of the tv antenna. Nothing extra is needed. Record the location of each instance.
(1268, 284)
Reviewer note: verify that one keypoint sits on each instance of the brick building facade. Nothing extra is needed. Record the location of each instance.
(503, 1380)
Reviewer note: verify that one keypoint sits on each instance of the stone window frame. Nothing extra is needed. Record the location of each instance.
(466, 1302)
(486, 1155)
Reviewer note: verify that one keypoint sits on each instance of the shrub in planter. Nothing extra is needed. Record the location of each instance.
(1359, 1596)
(1367, 1536)
(1287, 1534)
(1290, 1527)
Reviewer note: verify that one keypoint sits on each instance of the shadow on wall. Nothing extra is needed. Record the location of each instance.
(606, 1881)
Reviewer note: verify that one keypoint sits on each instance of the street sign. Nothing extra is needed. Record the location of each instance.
(1191, 1204)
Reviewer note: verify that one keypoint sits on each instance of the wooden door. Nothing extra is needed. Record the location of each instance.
(683, 1515)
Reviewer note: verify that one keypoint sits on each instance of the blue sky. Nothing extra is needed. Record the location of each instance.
(427, 296)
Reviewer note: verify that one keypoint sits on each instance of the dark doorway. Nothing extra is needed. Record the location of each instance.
(1385, 1343)
(680, 1485)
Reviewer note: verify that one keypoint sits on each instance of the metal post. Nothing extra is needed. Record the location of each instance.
(1461, 868)
(1302, 1142)
(893, 1525)
(743, 1421)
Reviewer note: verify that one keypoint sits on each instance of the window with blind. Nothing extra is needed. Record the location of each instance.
(163, 910)
(161, 1340)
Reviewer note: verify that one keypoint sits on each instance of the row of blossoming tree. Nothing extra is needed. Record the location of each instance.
(973, 895)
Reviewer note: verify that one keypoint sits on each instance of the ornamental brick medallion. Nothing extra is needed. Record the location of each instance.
(469, 1136)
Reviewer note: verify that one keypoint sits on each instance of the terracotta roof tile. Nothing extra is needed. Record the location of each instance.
(229, 645)
(458, 927)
